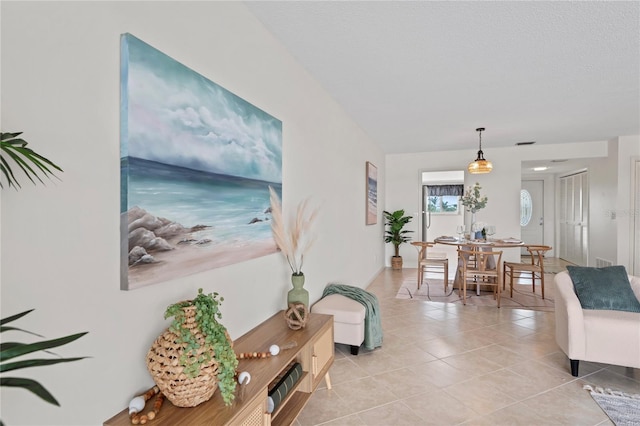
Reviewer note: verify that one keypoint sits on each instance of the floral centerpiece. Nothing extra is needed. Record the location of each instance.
(473, 202)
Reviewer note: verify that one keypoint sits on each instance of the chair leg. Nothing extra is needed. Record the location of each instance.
(542, 283)
(464, 290)
(446, 277)
(504, 274)
(533, 281)
(511, 283)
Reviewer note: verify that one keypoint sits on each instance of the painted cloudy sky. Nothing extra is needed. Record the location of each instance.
(176, 116)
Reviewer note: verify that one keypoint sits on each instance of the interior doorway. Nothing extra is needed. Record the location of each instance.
(441, 214)
(441, 209)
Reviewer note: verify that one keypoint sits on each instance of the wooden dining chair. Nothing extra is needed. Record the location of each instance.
(477, 266)
(427, 260)
(535, 269)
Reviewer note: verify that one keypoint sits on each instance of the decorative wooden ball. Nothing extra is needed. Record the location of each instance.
(297, 315)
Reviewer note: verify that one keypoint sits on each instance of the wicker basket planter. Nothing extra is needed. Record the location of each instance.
(195, 355)
(396, 262)
(163, 363)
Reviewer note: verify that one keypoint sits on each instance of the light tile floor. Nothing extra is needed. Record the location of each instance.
(445, 364)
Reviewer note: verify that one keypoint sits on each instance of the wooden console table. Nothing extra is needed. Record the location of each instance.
(314, 351)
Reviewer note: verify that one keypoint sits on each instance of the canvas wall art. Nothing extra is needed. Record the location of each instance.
(196, 165)
(372, 194)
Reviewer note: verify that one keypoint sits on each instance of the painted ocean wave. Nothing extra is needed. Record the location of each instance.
(227, 204)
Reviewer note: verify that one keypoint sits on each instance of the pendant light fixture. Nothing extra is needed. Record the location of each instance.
(480, 165)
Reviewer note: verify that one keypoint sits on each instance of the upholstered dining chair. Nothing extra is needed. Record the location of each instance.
(427, 260)
(480, 266)
(535, 269)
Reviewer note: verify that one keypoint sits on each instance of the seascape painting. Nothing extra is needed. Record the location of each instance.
(372, 194)
(196, 165)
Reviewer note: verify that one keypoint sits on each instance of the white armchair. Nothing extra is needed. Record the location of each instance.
(606, 336)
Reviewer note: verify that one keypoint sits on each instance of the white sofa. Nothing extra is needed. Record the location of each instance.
(605, 336)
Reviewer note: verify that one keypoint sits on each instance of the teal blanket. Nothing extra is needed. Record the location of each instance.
(372, 320)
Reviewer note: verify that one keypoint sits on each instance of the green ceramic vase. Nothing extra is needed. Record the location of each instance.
(298, 294)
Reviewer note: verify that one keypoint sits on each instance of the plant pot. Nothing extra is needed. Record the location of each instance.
(168, 374)
(396, 262)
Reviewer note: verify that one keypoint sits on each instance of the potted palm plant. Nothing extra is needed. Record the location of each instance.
(396, 235)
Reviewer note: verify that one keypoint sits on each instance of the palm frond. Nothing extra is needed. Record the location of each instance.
(6, 320)
(30, 385)
(10, 350)
(30, 162)
(41, 362)
(15, 350)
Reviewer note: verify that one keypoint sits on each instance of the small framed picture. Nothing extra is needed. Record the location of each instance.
(372, 194)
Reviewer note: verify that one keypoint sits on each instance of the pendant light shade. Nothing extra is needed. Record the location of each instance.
(480, 165)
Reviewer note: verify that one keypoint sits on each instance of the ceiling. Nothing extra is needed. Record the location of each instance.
(422, 76)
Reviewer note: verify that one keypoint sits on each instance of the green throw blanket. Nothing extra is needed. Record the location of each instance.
(372, 320)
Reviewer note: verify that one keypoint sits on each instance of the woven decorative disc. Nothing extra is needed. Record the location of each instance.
(297, 315)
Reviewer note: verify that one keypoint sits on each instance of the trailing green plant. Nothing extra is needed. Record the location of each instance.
(217, 341)
(11, 350)
(395, 233)
(31, 163)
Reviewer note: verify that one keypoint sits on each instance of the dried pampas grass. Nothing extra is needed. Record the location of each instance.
(295, 243)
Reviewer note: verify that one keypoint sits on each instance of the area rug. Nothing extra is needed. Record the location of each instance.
(432, 290)
(622, 408)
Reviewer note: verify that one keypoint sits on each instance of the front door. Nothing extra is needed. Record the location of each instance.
(532, 212)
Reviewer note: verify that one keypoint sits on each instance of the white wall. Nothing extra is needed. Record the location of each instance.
(610, 191)
(403, 190)
(501, 186)
(628, 154)
(60, 243)
(602, 201)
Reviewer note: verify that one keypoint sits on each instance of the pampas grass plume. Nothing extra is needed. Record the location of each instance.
(295, 243)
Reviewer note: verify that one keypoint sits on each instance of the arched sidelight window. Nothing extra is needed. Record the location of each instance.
(526, 207)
